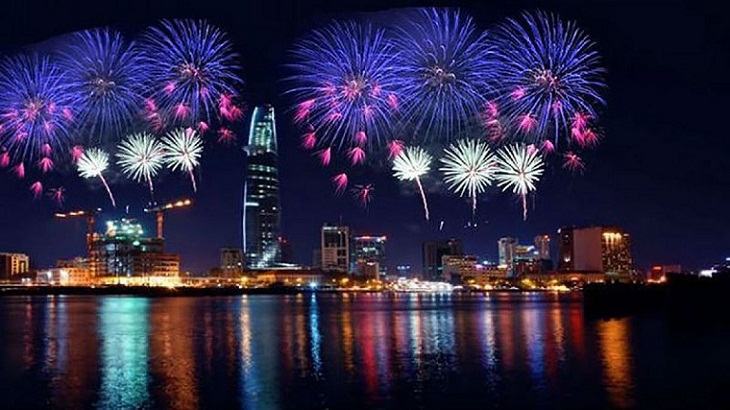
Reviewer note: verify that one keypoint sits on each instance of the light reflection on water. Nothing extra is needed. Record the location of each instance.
(322, 351)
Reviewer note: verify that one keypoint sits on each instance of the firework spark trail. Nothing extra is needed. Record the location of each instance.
(469, 167)
(411, 165)
(37, 189)
(395, 147)
(363, 194)
(573, 162)
(107, 74)
(193, 70)
(141, 156)
(344, 84)
(92, 164)
(340, 181)
(549, 72)
(446, 69)
(35, 107)
(519, 169)
(182, 150)
(57, 195)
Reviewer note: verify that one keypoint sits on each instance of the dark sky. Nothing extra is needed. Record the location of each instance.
(661, 171)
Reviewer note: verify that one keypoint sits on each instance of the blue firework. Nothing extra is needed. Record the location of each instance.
(345, 85)
(448, 69)
(36, 108)
(551, 78)
(193, 72)
(107, 74)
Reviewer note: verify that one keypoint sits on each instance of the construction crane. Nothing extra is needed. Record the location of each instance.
(159, 211)
(90, 216)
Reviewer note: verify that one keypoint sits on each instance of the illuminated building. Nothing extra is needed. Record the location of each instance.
(64, 276)
(658, 273)
(367, 250)
(433, 253)
(335, 248)
(403, 271)
(368, 269)
(124, 252)
(595, 249)
(542, 246)
(231, 264)
(13, 264)
(303, 277)
(506, 249)
(456, 267)
(261, 208)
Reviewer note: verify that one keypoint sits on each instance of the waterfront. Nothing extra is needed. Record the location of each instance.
(349, 350)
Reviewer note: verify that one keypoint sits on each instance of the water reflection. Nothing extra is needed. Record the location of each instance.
(312, 351)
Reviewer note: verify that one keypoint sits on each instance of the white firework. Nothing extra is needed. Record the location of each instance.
(519, 168)
(141, 157)
(410, 165)
(182, 151)
(91, 164)
(469, 168)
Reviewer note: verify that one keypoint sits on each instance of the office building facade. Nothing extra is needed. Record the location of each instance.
(13, 264)
(433, 253)
(335, 248)
(367, 250)
(595, 249)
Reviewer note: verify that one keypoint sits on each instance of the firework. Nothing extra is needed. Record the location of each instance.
(19, 170)
(573, 162)
(395, 147)
(36, 104)
(92, 164)
(357, 155)
(518, 170)
(37, 189)
(549, 73)
(325, 156)
(469, 167)
(411, 165)
(226, 136)
(447, 69)
(345, 84)
(192, 71)
(340, 181)
(141, 157)
(309, 140)
(363, 194)
(45, 164)
(183, 148)
(107, 73)
(57, 195)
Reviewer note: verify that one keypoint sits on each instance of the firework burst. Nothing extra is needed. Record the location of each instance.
(58, 195)
(35, 107)
(182, 151)
(107, 75)
(447, 68)
(469, 167)
(340, 181)
(141, 157)
(363, 194)
(411, 165)
(549, 72)
(193, 72)
(518, 170)
(344, 85)
(92, 164)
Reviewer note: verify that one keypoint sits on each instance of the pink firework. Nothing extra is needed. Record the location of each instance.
(589, 137)
(169, 87)
(45, 164)
(526, 123)
(4, 159)
(393, 102)
(531, 149)
(76, 152)
(203, 127)
(68, 114)
(46, 150)
(19, 170)
(340, 182)
(357, 155)
(517, 93)
(361, 138)
(182, 111)
(363, 194)
(226, 136)
(303, 110)
(57, 195)
(37, 189)
(579, 121)
(491, 110)
(325, 156)
(573, 162)
(395, 147)
(309, 140)
(547, 147)
(228, 110)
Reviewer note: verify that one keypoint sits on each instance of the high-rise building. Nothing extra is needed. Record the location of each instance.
(261, 208)
(595, 249)
(542, 246)
(433, 253)
(506, 250)
(124, 252)
(368, 249)
(13, 264)
(335, 248)
(232, 263)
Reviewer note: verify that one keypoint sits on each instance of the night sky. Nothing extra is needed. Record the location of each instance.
(661, 171)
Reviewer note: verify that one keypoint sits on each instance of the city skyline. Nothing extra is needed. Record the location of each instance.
(627, 181)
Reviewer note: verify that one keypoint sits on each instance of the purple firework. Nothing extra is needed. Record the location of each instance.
(107, 74)
(36, 107)
(448, 69)
(192, 72)
(550, 78)
(345, 84)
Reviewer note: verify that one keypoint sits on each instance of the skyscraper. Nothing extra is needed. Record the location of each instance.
(369, 249)
(261, 208)
(542, 245)
(433, 253)
(595, 249)
(506, 249)
(335, 245)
